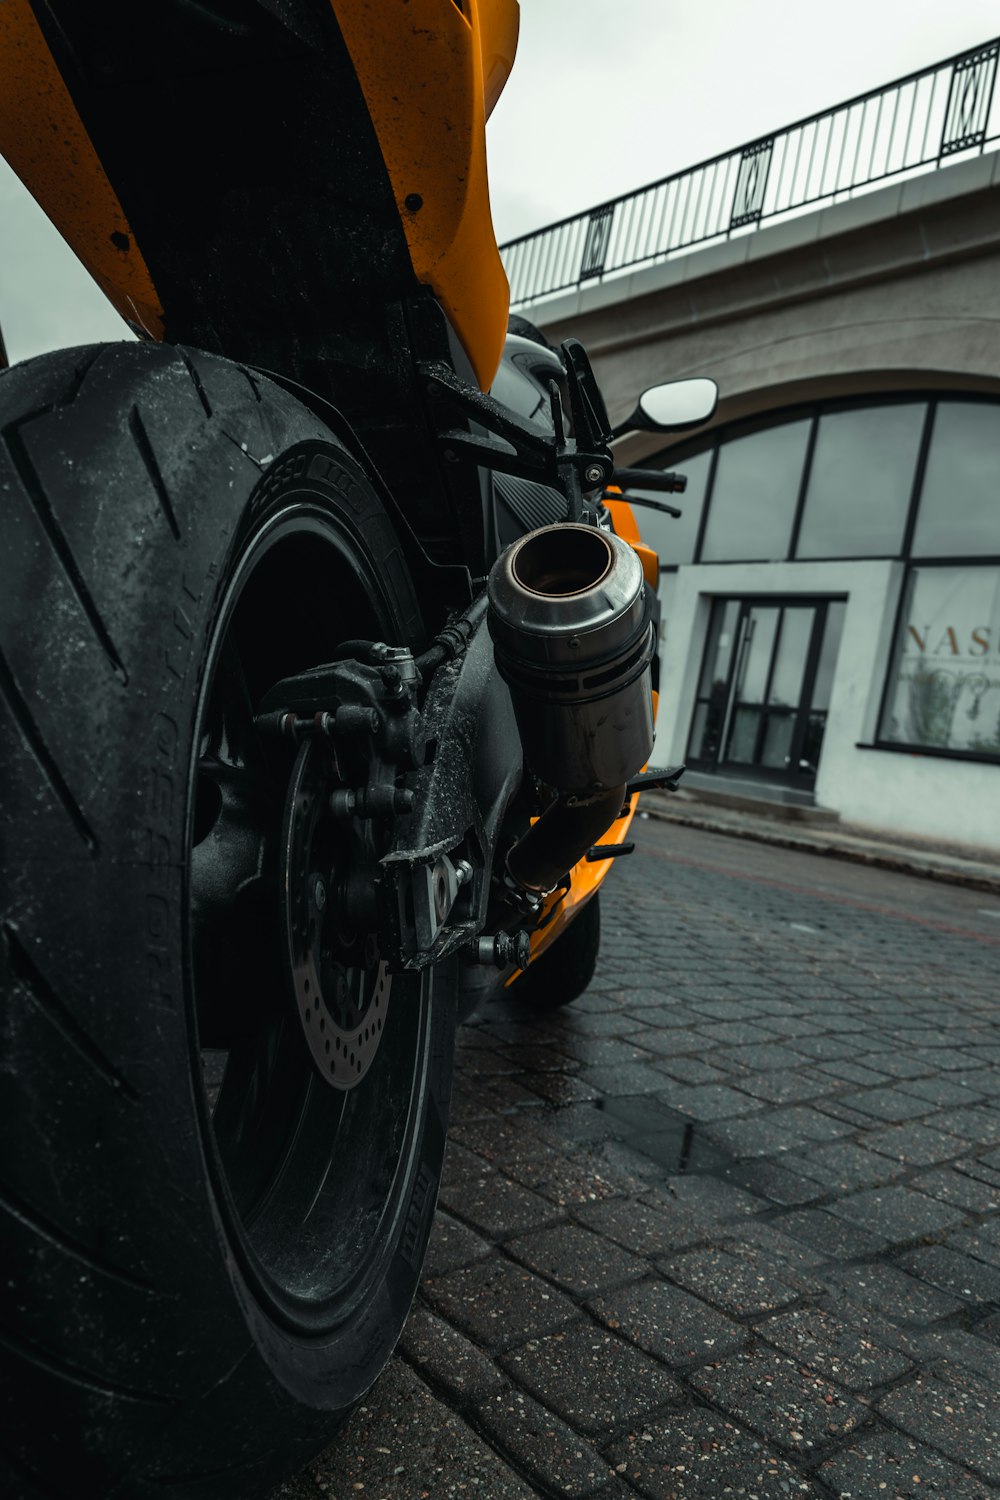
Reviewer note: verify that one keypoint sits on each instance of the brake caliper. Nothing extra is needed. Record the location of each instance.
(354, 728)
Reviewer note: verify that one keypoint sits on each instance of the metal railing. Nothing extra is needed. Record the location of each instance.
(910, 126)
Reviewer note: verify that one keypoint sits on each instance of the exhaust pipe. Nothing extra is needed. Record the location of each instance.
(573, 641)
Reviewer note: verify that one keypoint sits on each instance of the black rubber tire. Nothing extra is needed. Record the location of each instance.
(140, 1356)
(523, 328)
(562, 973)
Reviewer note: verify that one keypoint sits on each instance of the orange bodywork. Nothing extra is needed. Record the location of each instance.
(585, 878)
(431, 72)
(624, 522)
(46, 144)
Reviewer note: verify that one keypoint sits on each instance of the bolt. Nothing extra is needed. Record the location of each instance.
(343, 802)
(413, 202)
(593, 474)
(319, 893)
(504, 949)
(354, 718)
(440, 882)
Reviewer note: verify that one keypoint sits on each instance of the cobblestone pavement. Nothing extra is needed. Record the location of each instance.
(728, 1225)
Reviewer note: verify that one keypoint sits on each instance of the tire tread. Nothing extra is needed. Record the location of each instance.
(42, 755)
(34, 983)
(45, 1362)
(196, 380)
(37, 1224)
(145, 450)
(13, 441)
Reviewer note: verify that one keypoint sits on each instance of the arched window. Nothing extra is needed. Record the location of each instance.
(908, 477)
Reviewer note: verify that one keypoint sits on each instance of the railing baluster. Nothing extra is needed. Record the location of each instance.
(798, 159)
(726, 196)
(642, 226)
(714, 204)
(812, 158)
(780, 179)
(658, 243)
(892, 131)
(826, 156)
(681, 228)
(929, 116)
(697, 205)
(669, 241)
(857, 144)
(871, 154)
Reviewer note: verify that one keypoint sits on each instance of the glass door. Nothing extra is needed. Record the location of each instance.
(765, 687)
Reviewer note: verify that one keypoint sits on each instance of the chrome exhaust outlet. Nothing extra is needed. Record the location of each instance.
(573, 640)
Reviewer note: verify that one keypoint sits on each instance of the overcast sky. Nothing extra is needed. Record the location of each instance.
(606, 95)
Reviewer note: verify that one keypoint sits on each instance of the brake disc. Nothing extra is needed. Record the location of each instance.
(341, 984)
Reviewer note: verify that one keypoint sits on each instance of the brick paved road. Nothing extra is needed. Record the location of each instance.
(730, 1224)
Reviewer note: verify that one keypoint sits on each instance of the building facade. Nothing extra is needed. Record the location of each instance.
(831, 595)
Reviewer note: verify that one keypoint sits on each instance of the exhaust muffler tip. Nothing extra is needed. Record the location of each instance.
(573, 640)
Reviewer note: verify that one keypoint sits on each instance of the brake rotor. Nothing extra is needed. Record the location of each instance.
(341, 985)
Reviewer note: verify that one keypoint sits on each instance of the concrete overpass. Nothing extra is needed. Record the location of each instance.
(898, 289)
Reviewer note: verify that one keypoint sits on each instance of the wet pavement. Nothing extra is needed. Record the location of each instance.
(730, 1223)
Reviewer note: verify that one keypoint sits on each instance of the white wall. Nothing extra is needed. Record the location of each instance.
(928, 796)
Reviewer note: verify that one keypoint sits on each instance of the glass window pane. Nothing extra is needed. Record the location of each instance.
(721, 638)
(754, 496)
(777, 741)
(743, 735)
(708, 726)
(827, 663)
(673, 538)
(755, 655)
(790, 661)
(699, 750)
(861, 481)
(960, 506)
(944, 682)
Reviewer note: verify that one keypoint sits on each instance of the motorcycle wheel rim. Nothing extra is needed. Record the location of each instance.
(311, 1181)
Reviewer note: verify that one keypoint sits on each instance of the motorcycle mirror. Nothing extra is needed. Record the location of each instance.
(672, 407)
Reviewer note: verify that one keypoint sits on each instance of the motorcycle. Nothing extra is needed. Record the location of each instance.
(327, 692)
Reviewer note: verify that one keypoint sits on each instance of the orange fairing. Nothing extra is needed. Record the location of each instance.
(624, 522)
(42, 138)
(431, 71)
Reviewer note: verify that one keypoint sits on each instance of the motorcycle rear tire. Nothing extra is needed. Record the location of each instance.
(188, 1308)
(562, 973)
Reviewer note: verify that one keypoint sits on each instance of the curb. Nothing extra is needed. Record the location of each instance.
(901, 861)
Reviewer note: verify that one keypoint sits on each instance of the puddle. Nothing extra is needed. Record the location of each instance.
(665, 1136)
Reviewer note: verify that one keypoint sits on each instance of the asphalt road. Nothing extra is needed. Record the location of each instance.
(728, 1225)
